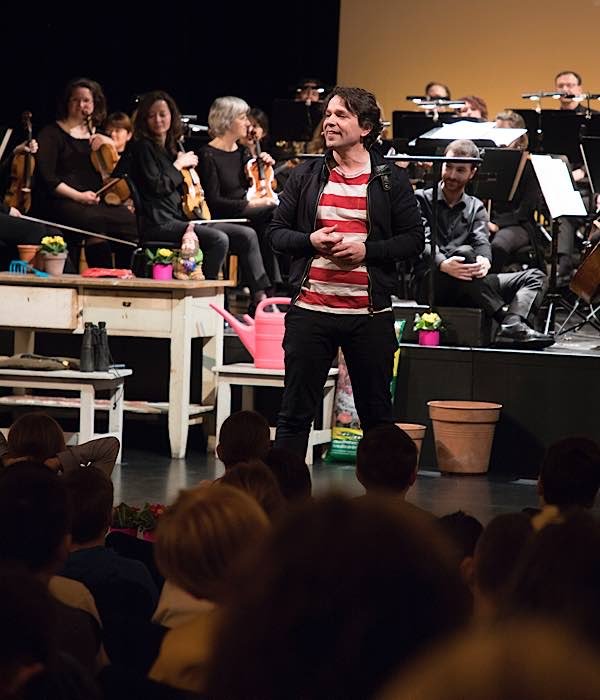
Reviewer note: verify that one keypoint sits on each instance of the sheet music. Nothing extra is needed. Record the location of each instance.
(475, 131)
(556, 184)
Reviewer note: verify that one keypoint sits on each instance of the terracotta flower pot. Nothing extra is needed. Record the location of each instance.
(54, 263)
(28, 253)
(463, 432)
(417, 433)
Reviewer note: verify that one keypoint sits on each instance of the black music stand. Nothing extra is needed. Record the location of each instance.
(590, 152)
(437, 177)
(499, 175)
(295, 121)
(563, 200)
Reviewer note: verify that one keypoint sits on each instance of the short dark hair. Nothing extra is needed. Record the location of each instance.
(35, 515)
(257, 480)
(571, 72)
(462, 148)
(260, 117)
(386, 458)
(363, 105)
(119, 120)
(477, 103)
(99, 113)
(91, 494)
(35, 435)
(570, 472)
(463, 529)
(291, 472)
(244, 435)
(498, 551)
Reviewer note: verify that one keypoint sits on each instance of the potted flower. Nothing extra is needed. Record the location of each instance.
(54, 254)
(428, 326)
(162, 263)
(148, 520)
(125, 519)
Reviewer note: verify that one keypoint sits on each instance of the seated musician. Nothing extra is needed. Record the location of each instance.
(225, 180)
(474, 107)
(15, 230)
(570, 84)
(67, 185)
(511, 223)
(463, 259)
(156, 166)
(437, 91)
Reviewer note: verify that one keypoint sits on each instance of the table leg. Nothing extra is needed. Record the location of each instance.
(179, 384)
(115, 415)
(24, 342)
(86, 413)
(223, 405)
(247, 398)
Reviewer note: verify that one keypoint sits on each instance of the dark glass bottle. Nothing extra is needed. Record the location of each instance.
(101, 351)
(87, 362)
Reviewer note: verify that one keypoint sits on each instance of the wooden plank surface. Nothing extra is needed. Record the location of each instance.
(110, 282)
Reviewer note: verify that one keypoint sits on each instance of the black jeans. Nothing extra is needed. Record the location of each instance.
(311, 343)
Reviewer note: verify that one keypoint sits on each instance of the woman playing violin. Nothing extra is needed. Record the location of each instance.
(70, 182)
(223, 174)
(156, 166)
(14, 230)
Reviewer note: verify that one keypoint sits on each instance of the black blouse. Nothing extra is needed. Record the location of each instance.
(224, 180)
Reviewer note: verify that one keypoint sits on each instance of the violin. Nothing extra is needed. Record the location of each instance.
(193, 201)
(114, 190)
(260, 174)
(23, 164)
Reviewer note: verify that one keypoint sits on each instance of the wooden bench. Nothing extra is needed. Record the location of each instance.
(85, 383)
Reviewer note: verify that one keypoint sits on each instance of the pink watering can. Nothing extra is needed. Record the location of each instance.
(263, 334)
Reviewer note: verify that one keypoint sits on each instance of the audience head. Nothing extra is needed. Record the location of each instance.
(158, 119)
(200, 536)
(386, 459)
(349, 589)
(437, 91)
(82, 97)
(570, 473)
(291, 472)
(28, 624)
(463, 529)
(497, 554)
(120, 129)
(35, 518)
(223, 113)
(244, 435)
(532, 659)
(475, 107)
(256, 479)
(36, 436)
(559, 575)
(91, 494)
(363, 105)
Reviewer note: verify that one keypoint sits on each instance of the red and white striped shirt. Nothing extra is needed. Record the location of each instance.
(334, 286)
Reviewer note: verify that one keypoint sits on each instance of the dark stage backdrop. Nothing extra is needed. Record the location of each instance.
(196, 51)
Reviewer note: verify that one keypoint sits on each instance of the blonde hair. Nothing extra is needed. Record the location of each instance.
(223, 111)
(202, 533)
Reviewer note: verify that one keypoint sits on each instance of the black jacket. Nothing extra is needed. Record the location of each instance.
(395, 231)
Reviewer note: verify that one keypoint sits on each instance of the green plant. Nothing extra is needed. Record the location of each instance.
(125, 516)
(162, 256)
(427, 322)
(53, 244)
(149, 515)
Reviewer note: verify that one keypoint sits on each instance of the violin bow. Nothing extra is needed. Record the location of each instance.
(92, 234)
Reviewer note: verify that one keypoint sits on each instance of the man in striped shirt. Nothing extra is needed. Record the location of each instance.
(345, 220)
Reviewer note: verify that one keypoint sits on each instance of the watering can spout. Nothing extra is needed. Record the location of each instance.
(245, 331)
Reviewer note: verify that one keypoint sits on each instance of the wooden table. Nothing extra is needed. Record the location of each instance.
(248, 376)
(86, 384)
(173, 309)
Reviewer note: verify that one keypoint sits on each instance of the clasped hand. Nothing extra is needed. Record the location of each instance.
(455, 266)
(331, 245)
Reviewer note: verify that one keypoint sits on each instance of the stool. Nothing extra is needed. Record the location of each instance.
(247, 376)
(85, 383)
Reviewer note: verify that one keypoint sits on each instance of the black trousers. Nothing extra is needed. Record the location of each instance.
(506, 242)
(311, 343)
(523, 292)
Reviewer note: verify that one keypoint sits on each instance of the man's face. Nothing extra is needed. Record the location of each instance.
(455, 176)
(567, 83)
(437, 92)
(340, 126)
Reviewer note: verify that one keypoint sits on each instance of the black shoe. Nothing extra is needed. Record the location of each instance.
(520, 335)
